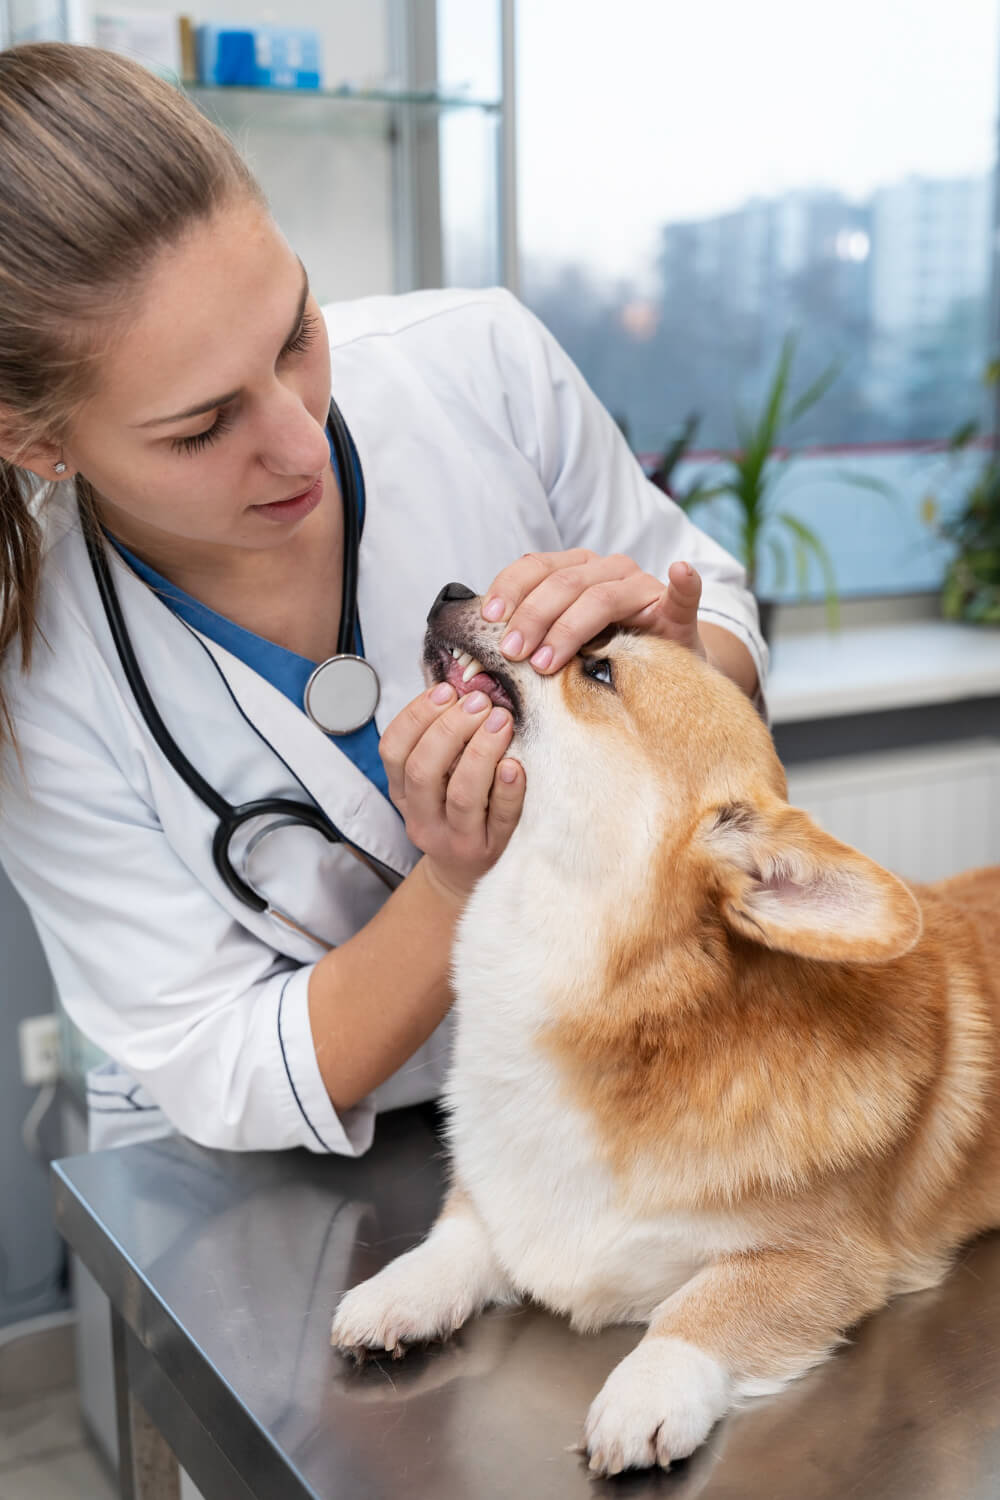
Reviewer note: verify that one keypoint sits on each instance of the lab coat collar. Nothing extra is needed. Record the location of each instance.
(330, 777)
(165, 647)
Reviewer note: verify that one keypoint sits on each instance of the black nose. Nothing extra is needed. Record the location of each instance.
(452, 593)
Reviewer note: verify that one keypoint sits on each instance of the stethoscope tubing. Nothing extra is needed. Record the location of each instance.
(231, 817)
(347, 632)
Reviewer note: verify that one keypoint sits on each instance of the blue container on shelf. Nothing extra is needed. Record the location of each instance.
(268, 57)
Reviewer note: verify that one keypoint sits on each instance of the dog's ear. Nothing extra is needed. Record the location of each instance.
(785, 883)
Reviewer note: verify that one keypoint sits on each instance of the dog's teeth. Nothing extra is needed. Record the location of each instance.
(464, 659)
(471, 670)
(456, 653)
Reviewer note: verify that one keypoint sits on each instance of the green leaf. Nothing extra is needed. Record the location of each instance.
(810, 543)
(780, 564)
(771, 423)
(868, 482)
(700, 494)
(815, 392)
(963, 436)
(675, 451)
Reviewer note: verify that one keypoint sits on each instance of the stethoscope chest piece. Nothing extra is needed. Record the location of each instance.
(342, 694)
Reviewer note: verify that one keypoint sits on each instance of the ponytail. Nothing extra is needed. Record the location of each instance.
(20, 565)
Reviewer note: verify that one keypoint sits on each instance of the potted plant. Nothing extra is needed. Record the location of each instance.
(971, 588)
(750, 477)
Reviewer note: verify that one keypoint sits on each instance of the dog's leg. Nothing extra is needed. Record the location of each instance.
(741, 1327)
(428, 1292)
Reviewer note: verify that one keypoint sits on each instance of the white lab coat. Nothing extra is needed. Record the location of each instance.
(478, 441)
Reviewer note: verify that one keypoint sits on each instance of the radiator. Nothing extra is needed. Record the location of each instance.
(924, 813)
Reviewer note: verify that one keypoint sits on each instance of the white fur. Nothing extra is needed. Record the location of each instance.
(557, 1217)
(658, 1405)
(426, 1293)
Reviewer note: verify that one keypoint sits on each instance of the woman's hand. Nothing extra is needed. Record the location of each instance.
(554, 602)
(448, 776)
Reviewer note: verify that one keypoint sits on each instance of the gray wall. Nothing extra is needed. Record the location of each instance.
(30, 1249)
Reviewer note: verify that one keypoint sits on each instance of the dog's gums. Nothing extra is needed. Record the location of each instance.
(451, 663)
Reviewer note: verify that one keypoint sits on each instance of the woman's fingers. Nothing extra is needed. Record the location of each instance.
(680, 606)
(564, 599)
(515, 582)
(471, 785)
(444, 761)
(675, 614)
(573, 604)
(406, 730)
(428, 768)
(506, 801)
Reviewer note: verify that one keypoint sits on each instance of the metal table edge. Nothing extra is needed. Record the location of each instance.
(253, 1451)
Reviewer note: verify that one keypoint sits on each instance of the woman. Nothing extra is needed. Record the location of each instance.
(166, 374)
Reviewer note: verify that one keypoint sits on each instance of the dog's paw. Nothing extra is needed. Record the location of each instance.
(409, 1302)
(658, 1405)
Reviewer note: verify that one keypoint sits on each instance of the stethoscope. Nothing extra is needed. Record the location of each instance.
(340, 697)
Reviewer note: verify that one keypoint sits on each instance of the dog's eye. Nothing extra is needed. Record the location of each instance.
(598, 668)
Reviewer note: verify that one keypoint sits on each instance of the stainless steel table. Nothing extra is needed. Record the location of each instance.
(223, 1271)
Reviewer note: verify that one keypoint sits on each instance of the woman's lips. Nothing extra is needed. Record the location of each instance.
(296, 507)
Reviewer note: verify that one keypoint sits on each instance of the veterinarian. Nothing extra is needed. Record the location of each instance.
(165, 397)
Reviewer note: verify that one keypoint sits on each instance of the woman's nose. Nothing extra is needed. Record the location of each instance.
(294, 442)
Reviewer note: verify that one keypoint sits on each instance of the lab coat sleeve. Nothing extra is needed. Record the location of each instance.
(601, 499)
(151, 967)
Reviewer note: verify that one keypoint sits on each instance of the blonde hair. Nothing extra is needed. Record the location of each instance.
(102, 165)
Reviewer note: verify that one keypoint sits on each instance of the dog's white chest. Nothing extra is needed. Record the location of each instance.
(528, 1156)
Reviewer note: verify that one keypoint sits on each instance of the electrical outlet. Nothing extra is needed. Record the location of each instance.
(38, 1038)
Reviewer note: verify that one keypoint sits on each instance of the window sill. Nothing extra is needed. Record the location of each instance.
(871, 669)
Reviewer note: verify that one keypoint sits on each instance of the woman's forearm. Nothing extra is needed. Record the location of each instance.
(378, 996)
(729, 654)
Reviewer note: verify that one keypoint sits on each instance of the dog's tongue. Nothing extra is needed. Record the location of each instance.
(482, 682)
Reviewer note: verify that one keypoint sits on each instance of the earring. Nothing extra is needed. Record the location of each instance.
(60, 467)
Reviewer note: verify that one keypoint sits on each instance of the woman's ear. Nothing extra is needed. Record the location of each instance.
(785, 883)
(39, 458)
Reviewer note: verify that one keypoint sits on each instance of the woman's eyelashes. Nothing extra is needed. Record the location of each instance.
(200, 440)
(304, 336)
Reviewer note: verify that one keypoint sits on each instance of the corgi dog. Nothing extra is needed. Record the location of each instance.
(715, 1072)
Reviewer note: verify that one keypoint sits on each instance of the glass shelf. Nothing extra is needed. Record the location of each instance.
(426, 98)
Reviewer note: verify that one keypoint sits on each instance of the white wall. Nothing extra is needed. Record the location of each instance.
(326, 166)
(30, 1250)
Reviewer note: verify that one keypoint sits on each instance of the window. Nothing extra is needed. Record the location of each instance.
(698, 182)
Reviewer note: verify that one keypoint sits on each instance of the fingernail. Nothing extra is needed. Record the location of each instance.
(512, 644)
(493, 609)
(497, 719)
(442, 693)
(542, 657)
(508, 771)
(474, 703)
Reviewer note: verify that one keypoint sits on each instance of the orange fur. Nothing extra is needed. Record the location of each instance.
(714, 1070)
(832, 1080)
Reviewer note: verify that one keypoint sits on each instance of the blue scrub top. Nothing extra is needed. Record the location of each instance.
(285, 670)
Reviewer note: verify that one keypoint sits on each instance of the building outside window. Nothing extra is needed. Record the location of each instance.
(699, 182)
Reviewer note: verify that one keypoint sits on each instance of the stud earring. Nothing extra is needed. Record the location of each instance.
(60, 467)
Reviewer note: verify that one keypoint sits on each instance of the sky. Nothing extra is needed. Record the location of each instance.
(631, 113)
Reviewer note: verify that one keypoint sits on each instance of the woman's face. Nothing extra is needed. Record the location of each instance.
(212, 406)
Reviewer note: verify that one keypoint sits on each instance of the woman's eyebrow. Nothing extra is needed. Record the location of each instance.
(205, 406)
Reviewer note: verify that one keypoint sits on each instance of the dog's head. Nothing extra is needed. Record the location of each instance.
(644, 763)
